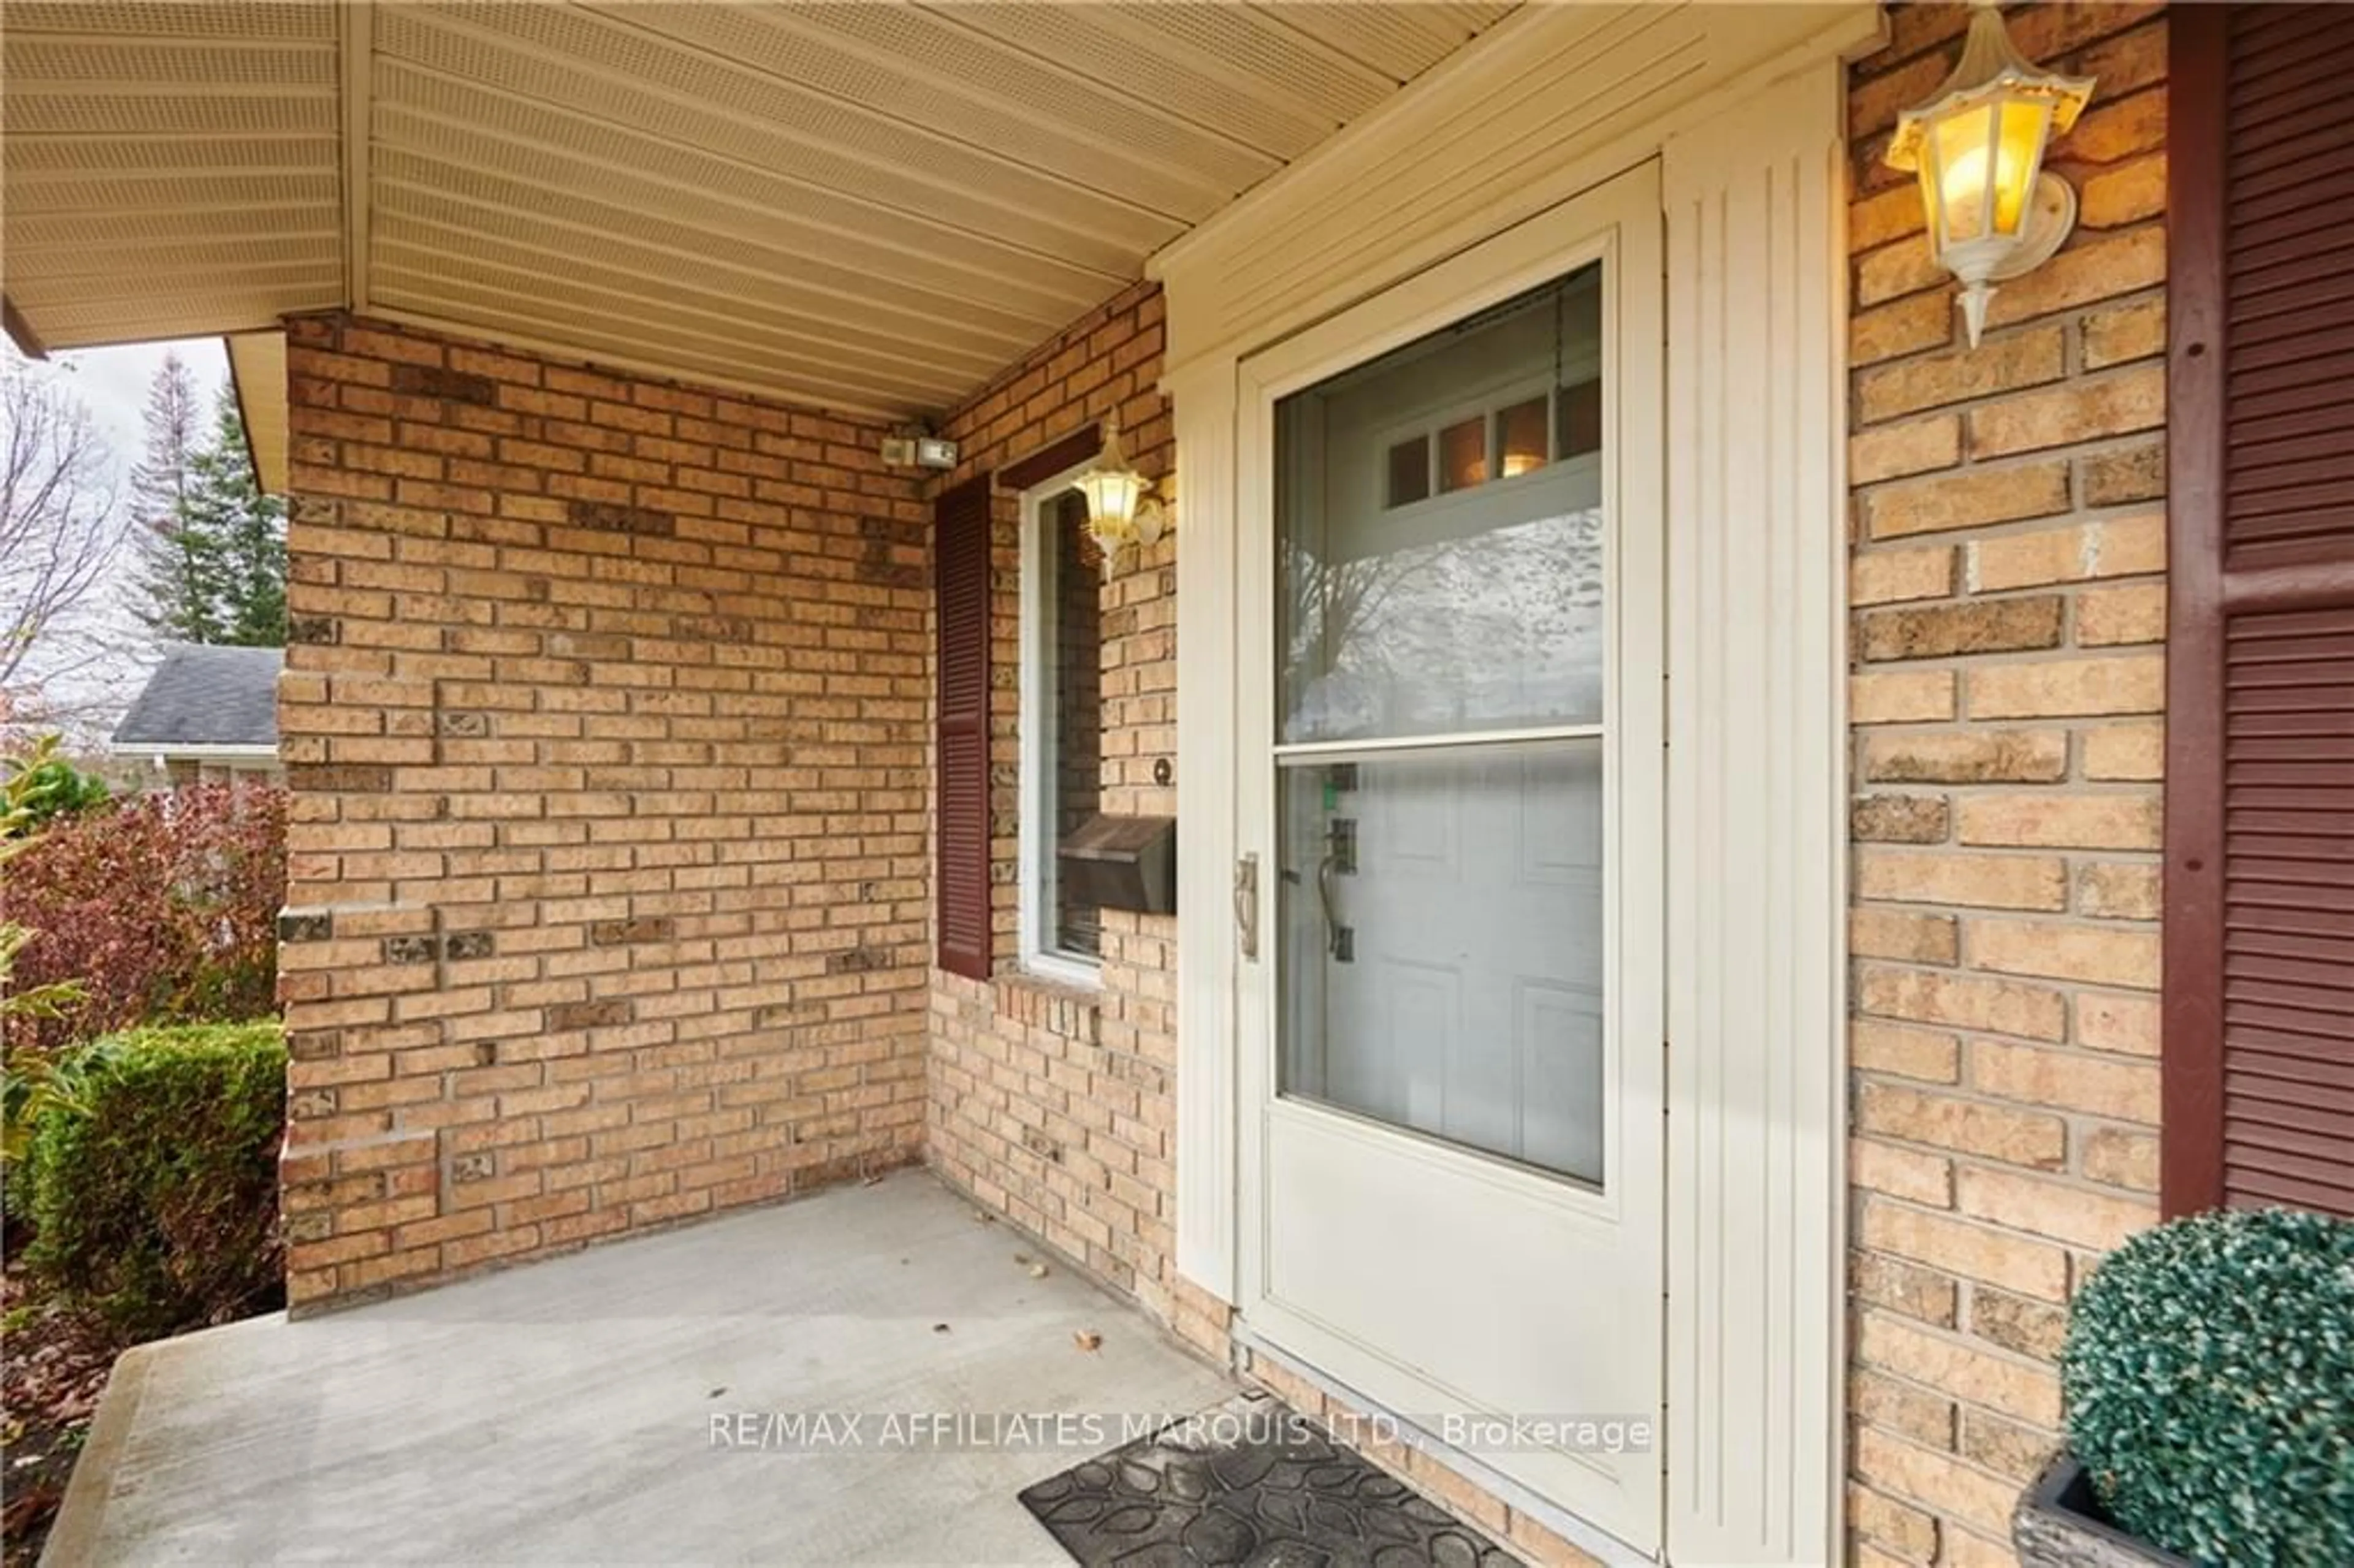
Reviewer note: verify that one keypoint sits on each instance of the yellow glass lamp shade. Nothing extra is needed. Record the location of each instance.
(1979, 167)
(1977, 147)
(1112, 494)
(1121, 510)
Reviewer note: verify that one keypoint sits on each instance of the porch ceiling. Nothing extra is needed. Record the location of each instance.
(869, 206)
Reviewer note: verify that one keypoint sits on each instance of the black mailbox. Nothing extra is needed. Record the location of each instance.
(1123, 862)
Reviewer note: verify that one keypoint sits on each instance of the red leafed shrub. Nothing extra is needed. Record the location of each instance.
(165, 908)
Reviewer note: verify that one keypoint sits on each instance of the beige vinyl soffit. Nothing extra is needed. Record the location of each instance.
(871, 207)
(257, 367)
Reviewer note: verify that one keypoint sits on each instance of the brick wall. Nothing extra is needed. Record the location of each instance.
(1054, 1104)
(2009, 593)
(607, 889)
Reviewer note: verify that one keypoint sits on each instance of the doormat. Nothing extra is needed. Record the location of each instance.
(1249, 1482)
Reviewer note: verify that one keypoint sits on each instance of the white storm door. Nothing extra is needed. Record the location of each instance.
(1449, 738)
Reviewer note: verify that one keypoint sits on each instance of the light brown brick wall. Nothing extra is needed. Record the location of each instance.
(607, 887)
(2009, 593)
(1056, 1104)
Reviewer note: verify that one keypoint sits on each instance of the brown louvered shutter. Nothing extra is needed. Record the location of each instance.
(2259, 1051)
(960, 590)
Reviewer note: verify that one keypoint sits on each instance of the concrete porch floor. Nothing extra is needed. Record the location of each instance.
(563, 1411)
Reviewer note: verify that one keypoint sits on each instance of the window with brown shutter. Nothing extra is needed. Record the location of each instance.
(2259, 1046)
(960, 591)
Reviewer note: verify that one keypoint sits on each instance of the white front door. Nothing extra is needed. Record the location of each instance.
(1451, 769)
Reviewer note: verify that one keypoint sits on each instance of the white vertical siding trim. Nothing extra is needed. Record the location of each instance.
(1202, 398)
(1755, 802)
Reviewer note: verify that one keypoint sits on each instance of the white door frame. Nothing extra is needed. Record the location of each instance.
(1750, 135)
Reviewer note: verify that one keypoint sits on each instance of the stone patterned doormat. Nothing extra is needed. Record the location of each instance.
(1249, 1482)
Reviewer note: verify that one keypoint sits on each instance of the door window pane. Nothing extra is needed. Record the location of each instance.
(1409, 472)
(1442, 945)
(1479, 608)
(1462, 455)
(1521, 437)
(1581, 419)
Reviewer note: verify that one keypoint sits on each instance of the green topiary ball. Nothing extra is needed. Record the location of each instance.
(2208, 1372)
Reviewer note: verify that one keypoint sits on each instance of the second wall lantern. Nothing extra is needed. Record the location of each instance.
(1977, 145)
(1121, 507)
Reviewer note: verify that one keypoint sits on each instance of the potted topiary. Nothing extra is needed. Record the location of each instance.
(2209, 1380)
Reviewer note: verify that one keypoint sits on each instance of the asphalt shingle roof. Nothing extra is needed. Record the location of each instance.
(206, 696)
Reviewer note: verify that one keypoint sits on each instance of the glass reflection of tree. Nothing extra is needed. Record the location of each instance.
(1491, 630)
(1337, 608)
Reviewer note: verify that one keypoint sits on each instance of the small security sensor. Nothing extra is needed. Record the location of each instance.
(918, 450)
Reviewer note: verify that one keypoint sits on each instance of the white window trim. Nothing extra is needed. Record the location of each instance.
(1035, 858)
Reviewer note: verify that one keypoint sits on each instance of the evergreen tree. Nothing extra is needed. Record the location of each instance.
(244, 535)
(217, 565)
(176, 567)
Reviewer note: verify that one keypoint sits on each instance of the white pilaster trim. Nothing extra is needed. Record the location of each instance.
(1757, 875)
(1203, 400)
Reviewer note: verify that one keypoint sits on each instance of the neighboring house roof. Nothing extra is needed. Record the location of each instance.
(206, 699)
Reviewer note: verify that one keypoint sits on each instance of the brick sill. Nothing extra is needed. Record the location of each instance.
(1055, 1004)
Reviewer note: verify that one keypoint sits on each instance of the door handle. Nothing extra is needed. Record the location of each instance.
(1247, 906)
(1339, 941)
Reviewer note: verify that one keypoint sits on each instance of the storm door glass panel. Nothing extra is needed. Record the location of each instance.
(1477, 606)
(1441, 741)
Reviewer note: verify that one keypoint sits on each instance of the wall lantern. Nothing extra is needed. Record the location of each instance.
(1977, 145)
(1121, 507)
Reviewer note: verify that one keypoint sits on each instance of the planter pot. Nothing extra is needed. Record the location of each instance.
(2060, 1523)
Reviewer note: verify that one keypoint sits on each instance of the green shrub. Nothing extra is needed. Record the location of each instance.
(30, 1083)
(155, 1182)
(2209, 1373)
(45, 785)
